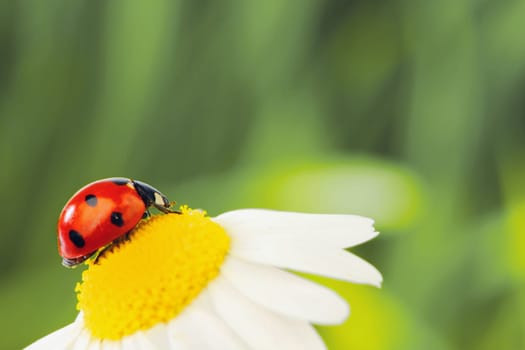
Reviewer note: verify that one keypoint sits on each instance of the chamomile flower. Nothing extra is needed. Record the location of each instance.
(188, 281)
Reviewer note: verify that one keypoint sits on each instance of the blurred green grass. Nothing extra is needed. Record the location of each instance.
(408, 112)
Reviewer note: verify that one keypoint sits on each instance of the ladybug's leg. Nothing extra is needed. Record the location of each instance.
(101, 252)
(116, 242)
(172, 204)
(126, 237)
(166, 210)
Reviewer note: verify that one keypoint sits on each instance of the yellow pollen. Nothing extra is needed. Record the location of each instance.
(150, 278)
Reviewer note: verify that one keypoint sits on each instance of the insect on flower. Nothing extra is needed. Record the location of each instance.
(103, 212)
(190, 281)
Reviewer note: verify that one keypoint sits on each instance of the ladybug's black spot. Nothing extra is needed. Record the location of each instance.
(91, 200)
(116, 219)
(76, 238)
(120, 181)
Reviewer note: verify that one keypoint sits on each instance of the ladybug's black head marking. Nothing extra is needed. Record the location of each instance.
(76, 238)
(116, 219)
(152, 196)
(91, 200)
(121, 181)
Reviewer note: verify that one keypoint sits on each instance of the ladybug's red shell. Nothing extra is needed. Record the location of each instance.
(98, 214)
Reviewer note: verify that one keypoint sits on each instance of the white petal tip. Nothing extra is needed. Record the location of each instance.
(370, 276)
(345, 313)
(378, 282)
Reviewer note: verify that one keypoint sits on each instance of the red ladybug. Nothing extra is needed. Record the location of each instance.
(102, 212)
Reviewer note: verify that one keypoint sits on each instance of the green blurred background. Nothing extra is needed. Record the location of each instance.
(410, 112)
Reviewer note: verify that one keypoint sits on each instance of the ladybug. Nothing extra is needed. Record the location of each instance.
(104, 212)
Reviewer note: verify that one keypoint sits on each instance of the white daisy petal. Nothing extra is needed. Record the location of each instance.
(333, 230)
(110, 345)
(158, 336)
(200, 327)
(95, 344)
(252, 303)
(178, 340)
(338, 264)
(140, 341)
(261, 328)
(130, 343)
(60, 339)
(83, 340)
(286, 293)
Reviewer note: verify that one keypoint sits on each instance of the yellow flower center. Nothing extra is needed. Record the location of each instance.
(150, 278)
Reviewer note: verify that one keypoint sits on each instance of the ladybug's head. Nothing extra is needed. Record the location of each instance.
(152, 197)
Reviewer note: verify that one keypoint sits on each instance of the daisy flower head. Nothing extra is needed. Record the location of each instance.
(188, 281)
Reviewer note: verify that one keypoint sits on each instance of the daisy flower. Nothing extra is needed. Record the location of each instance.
(188, 281)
